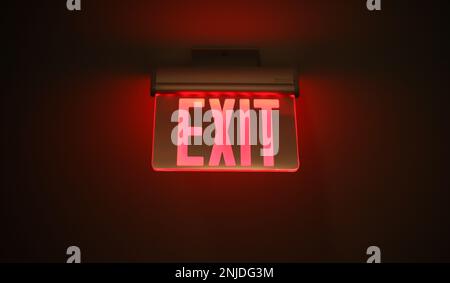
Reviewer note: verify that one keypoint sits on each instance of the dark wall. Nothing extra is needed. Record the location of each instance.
(76, 134)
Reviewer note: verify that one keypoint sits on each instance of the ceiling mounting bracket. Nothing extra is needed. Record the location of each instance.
(225, 69)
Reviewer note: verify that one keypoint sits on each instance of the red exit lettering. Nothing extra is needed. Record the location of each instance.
(257, 123)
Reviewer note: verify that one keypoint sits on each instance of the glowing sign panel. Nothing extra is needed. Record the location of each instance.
(225, 131)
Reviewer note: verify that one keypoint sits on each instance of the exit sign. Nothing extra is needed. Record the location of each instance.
(225, 131)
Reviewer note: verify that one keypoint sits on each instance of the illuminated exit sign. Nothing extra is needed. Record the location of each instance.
(225, 131)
